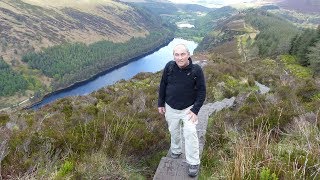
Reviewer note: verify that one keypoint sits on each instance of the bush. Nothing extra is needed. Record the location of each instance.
(266, 175)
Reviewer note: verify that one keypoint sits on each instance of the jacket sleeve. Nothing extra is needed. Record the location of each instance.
(201, 91)
(162, 88)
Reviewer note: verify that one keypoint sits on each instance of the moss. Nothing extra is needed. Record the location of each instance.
(288, 59)
(293, 66)
(300, 71)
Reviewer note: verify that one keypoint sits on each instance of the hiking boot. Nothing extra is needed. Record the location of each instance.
(193, 170)
(175, 156)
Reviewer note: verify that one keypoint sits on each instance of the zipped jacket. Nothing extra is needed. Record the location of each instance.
(181, 88)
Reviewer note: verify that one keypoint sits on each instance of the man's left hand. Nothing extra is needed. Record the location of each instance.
(193, 117)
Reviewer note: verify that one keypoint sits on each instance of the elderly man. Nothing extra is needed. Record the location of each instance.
(181, 94)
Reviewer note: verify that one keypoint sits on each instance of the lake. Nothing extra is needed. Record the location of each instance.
(150, 63)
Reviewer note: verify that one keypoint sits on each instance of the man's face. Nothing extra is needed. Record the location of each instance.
(181, 56)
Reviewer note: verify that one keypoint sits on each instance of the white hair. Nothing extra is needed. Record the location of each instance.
(181, 44)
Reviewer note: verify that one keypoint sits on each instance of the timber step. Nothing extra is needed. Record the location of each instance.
(176, 169)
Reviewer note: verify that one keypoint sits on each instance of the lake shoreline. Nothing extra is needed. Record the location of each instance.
(79, 83)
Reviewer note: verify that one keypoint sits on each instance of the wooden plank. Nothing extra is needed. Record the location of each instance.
(176, 169)
(172, 169)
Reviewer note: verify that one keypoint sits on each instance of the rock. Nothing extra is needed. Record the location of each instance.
(12, 126)
(262, 88)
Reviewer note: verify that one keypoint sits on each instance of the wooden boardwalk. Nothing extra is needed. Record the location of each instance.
(176, 169)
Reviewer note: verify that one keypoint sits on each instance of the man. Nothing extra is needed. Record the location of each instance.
(181, 94)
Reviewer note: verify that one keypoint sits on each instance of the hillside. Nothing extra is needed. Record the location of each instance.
(305, 6)
(224, 31)
(272, 136)
(34, 26)
(269, 35)
(117, 133)
(167, 8)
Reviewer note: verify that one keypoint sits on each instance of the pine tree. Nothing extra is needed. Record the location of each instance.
(314, 57)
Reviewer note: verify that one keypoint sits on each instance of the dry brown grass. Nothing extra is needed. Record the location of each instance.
(237, 25)
(228, 49)
(86, 5)
(292, 155)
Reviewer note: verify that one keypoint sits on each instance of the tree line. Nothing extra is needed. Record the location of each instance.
(69, 63)
(306, 47)
(10, 81)
(278, 36)
(275, 33)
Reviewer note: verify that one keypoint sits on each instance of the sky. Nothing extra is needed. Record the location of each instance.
(211, 3)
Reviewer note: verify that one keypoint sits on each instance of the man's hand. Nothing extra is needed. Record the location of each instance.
(193, 117)
(162, 110)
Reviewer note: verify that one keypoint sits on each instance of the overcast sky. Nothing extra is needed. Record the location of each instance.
(211, 3)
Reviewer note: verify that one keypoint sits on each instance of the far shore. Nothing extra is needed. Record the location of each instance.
(79, 83)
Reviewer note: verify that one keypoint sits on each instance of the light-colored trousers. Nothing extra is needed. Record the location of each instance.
(178, 119)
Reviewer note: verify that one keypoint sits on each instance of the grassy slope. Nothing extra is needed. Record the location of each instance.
(45, 23)
(264, 136)
(115, 132)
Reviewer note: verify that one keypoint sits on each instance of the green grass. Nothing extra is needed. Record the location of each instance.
(293, 66)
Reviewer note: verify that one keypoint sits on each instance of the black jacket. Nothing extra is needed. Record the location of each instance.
(181, 88)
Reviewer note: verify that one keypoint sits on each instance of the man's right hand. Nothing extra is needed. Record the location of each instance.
(162, 110)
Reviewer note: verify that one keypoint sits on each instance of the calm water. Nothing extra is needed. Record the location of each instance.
(150, 63)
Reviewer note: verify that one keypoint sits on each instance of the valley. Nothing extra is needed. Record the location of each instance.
(31, 26)
(116, 132)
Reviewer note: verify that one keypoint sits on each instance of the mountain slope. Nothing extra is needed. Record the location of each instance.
(270, 34)
(116, 132)
(32, 24)
(306, 6)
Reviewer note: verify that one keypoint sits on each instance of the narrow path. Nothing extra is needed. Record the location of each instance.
(176, 169)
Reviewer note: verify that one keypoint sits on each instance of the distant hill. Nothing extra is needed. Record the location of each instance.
(311, 6)
(32, 24)
(219, 24)
(267, 34)
(167, 7)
